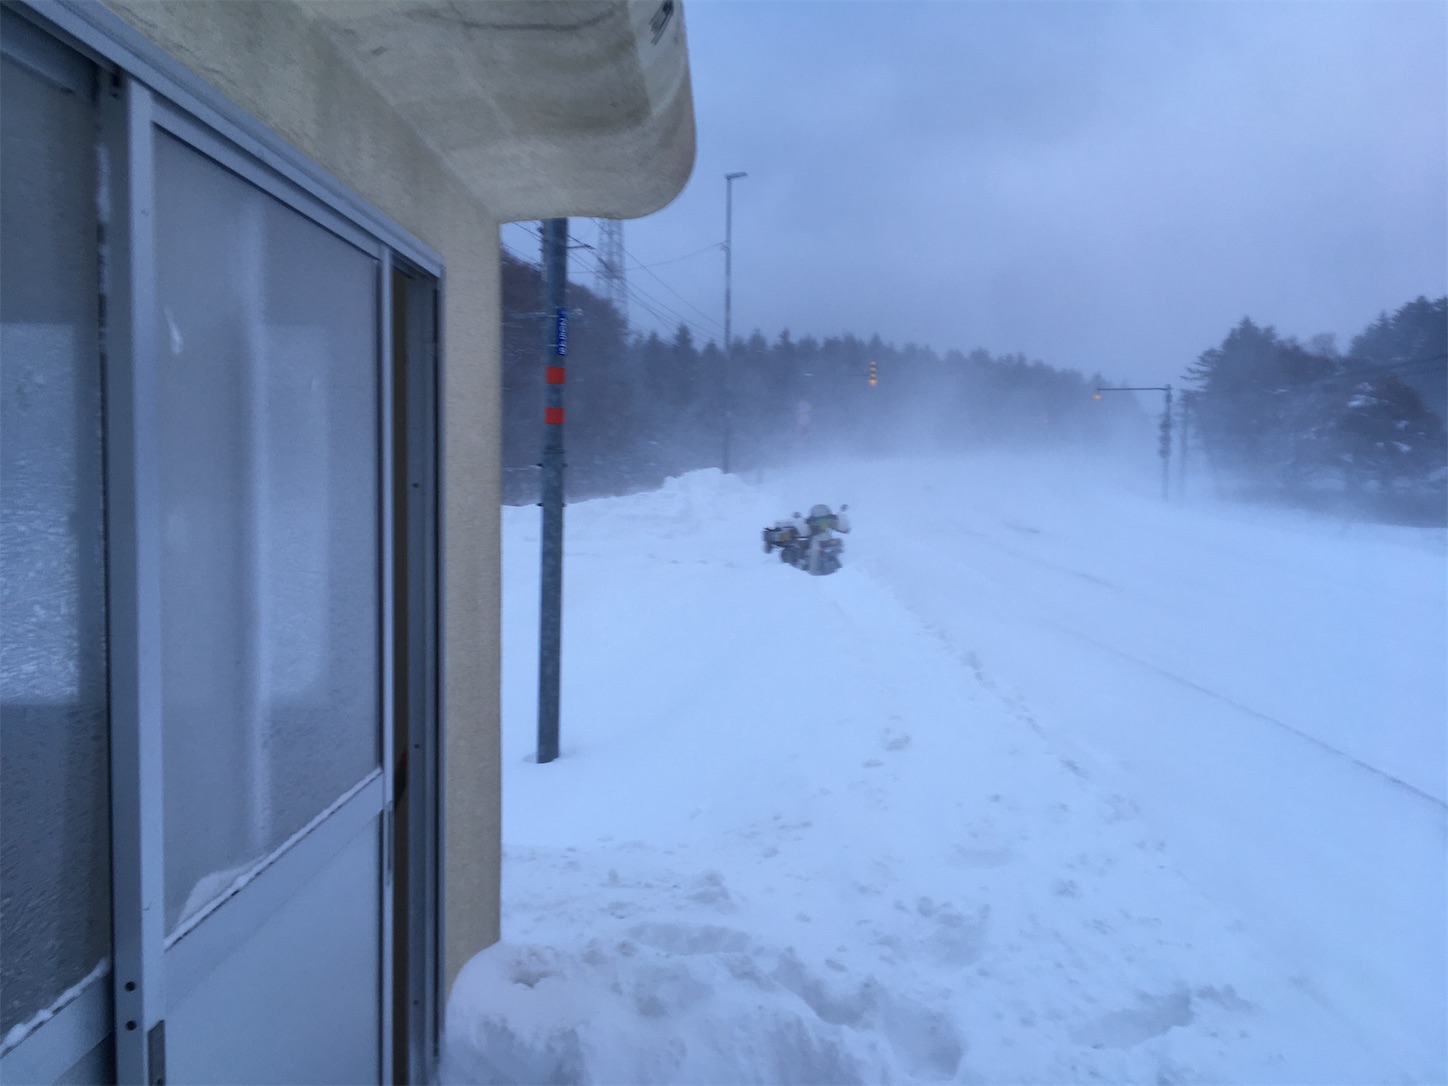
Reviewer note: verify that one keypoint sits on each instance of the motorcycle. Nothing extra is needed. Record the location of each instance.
(815, 557)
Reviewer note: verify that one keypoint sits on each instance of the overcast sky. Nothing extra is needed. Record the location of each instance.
(1100, 185)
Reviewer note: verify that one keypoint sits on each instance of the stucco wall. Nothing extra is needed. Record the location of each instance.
(271, 59)
(557, 107)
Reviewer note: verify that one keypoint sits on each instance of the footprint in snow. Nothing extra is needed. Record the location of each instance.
(691, 939)
(960, 856)
(1117, 808)
(1066, 888)
(1153, 1016)
(713, 891)
(958, 939)
(924, 1038)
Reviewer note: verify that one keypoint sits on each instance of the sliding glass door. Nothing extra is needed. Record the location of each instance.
(217, 633)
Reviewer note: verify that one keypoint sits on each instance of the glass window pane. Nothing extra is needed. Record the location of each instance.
(55, 924)
(267, 357)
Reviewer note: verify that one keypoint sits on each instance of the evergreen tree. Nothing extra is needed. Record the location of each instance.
(1273, 412)
(1412, 344)
(1250, 410)
(1386, 436)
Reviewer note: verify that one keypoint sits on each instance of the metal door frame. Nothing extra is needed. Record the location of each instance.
(423, 427)
(148, 89)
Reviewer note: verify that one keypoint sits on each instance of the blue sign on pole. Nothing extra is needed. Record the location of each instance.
(560, 341)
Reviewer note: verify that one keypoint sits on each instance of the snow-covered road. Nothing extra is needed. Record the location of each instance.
(1051, 783)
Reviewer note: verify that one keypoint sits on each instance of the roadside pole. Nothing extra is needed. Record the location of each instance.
(1164, 447)
(727, 390)
(1185, 442)
(550, 619)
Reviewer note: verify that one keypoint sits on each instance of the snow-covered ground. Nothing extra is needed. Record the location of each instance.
(1051, 783)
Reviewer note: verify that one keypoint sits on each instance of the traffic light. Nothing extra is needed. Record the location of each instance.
(1165, 446)
(874, 373)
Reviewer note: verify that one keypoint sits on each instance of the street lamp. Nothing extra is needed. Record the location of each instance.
(729, 179)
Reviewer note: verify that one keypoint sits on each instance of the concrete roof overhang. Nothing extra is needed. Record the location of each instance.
(542, 108)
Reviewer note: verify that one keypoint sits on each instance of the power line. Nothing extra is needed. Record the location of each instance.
(514, 252)
(532, 232)
(676, 259)
(631, 289)
(648, 302)
(659, 310)
(653, 306)
(681, 298)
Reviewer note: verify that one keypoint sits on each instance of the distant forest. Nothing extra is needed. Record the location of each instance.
(1356, 432)
(642, 408)
(1361, 431)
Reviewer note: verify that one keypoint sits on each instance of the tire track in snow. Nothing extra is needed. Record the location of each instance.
(1256, 714)
(1249, 711)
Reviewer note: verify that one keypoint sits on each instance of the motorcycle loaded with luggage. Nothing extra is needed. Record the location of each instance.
(809, 543)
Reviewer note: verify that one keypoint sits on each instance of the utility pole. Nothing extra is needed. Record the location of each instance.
(1164, 447)
(550, 619)
(729, 179)
(1186, 443)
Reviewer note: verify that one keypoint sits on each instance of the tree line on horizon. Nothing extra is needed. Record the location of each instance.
(1361, 430)
(641, 408)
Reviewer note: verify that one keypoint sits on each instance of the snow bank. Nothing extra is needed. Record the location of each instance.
(676, 1002)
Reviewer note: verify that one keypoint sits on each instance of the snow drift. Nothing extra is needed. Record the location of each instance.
(1050, 783)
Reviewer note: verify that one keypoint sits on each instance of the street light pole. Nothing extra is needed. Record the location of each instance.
(729, 179)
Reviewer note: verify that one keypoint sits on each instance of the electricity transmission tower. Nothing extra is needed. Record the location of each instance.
(612, 283)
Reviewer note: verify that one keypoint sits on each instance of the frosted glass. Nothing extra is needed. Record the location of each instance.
(267, 357)
(54, 758)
